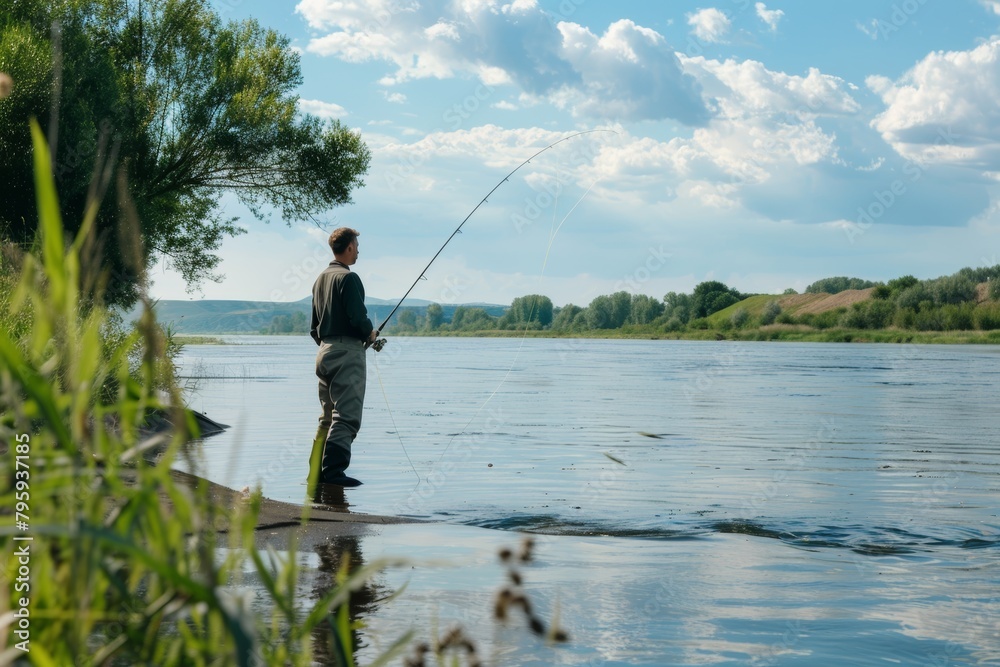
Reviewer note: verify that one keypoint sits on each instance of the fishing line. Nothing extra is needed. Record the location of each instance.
(545, 261)
(458, 230)
(379, 343)
(378, 373)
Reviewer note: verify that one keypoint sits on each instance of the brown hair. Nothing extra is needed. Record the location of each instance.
(341, 237)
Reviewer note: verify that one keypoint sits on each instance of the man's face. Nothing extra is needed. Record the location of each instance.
(352, 253)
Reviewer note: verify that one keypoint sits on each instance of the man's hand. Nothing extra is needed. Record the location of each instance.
(373, 340)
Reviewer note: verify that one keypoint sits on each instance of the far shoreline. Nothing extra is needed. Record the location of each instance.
(772, 333)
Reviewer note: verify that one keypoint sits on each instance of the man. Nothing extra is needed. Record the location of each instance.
(341, 328)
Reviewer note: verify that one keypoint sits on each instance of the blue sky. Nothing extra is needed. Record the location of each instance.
(766, 145)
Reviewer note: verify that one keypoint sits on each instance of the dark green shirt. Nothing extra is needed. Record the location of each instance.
(338, 306)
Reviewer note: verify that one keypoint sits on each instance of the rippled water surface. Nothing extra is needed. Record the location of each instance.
(694, 503)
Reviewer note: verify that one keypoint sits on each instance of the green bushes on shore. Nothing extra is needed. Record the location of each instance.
(120, 563)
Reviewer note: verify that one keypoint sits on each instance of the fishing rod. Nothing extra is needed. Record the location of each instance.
(379, 343)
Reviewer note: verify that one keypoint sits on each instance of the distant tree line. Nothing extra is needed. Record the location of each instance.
(294, 323)
(949, 303)
(942, 304)
(535, 312)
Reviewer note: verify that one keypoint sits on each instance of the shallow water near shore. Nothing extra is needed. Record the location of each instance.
(693, 502)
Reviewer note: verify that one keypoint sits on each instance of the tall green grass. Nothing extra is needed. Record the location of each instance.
(126, 563)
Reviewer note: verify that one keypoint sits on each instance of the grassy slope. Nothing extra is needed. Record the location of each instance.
(793, 304)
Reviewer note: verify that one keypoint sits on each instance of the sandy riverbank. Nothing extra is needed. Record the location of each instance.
(328, 517)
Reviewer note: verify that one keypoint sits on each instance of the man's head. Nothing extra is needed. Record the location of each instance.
(344, 243)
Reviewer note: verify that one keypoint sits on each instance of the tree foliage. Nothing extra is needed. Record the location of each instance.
(980, 274)
(677, 306)
(838, 284)
(740, 318)
(711, 297)
(771, 311)
(644, 309)
(435, 316)
(195, 108)
(901, 283)
(472, 319)
(609, 311)
(294, 323)
(406, 321)
(952, 289)
(566, 317)
(531, 310)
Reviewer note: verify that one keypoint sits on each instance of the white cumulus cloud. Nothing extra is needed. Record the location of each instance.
(629, 72)
(322, 109)
(709, 25)
(748, 88)
(755, 130)
(769, 16)
(946, 109)
(991, 5)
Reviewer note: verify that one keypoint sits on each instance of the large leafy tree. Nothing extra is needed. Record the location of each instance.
(525, 310)
(644, 309)
(712, 296)
(435, 316)
(609, 311)
(193, 108)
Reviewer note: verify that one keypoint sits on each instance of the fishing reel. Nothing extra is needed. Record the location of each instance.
(379, 343)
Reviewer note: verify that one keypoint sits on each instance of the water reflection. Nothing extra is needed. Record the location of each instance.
(339, 558)
(331, 497)
(329, 551)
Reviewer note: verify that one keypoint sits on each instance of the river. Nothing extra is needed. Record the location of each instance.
(692, 502)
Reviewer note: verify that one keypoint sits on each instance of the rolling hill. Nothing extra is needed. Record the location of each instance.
(795, 304)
